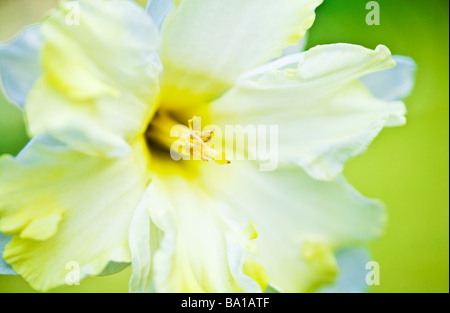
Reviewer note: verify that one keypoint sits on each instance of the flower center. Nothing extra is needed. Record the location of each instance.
(188, 142)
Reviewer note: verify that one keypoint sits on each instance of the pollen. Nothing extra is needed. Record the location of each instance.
(193, 143)
(196, 142)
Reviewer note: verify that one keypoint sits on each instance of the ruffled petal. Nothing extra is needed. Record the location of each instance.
(144, 240)
(301, 221)
(19, 64)
(63, 206)
(100, 82)
(208, 44)
(395, 83)
(195, 246)
(323, 113)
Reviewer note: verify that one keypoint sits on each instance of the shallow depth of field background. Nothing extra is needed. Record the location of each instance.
(406, 167)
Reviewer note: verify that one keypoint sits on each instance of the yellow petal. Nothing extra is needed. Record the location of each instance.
(100, 81)
(208, 44)
(95, 197)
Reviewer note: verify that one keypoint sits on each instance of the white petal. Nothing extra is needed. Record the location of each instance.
(208, 44)
(100, 82)
(144, 239)
(395, 83)
(301, 221)
(63, 207)
(324, 115)
(19, 64)
(201, 250)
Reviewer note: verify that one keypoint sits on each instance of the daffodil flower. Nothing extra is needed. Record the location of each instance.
(96, 184)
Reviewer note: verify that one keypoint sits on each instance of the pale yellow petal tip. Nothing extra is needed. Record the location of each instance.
(257, 272)
(36, 224)
(385, 54)
(382, 49)
(321, 260)
(306, 20)
(252, 231)
(43, 228)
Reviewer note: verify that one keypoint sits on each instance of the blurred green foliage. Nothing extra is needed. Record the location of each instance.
(405, 167)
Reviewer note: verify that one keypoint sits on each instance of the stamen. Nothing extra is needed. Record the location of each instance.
(191, 143)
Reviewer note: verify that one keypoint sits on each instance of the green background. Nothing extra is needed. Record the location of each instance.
(406, 167)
